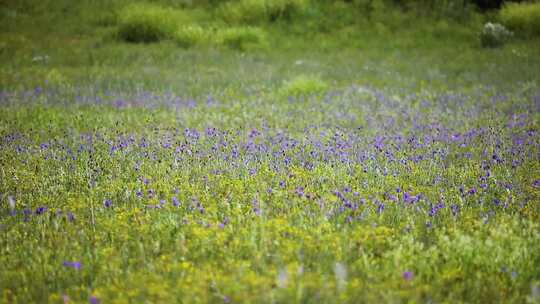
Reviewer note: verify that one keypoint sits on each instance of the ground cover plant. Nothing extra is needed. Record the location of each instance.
(380, 155)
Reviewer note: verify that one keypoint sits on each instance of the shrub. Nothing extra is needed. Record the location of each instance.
(146, 23)
(191, 35)
(523, 18)
(242, 38)
(257, 11)
(303, 85)
(285, 9)
(244, 11)
(494, 35)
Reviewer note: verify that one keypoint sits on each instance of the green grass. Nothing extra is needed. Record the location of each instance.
(289, 147)
(523, 18)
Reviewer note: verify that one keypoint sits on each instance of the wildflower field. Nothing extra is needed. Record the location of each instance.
(402, 167)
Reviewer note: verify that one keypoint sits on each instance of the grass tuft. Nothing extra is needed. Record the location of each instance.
(242, 38)
(522, 18)
(303, 86)
(147, 23)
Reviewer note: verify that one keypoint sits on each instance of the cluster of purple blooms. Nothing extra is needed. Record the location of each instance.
(384, 147)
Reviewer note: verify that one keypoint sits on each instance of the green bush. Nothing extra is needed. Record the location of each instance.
(522, 18)
(494, 35)
(242, 38)
(286, 9)
(303, 85)
(257, 11)
(191, 35)
(146, 23)
(244, 11)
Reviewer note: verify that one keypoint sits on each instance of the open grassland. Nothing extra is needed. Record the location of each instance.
(382, 158)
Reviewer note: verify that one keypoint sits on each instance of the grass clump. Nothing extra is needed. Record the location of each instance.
(146, 23)
(523, 18)
(242, 38)
(303, 86)
(494, 35)
(257, 11)
(191, 35)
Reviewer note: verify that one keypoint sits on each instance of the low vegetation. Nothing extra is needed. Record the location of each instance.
(523, 18)
(376, 151)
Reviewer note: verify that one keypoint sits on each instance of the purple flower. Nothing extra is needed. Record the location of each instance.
(93, 300)
(407, 275)
(107, 203)
(536, 183)
(175, 202)
(380, 208)
(299, 191)
(223, 223)
(74, 265)
(455, 209)
(40, 210)
(255, 207)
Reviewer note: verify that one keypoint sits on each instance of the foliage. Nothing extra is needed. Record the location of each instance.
(304, 85)
(147, 23)
(192, 35)
(404, 172)
(242, 38)
(494, 35)
(522, 18)
(257, 11)
(249, 200)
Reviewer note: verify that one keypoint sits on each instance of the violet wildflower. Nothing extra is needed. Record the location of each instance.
(40, 210)
(107, 203)
(93, 300)
(74, 265)
(536, 183)
(299, 191)
(255, 207)
(455, 209)
(223, 223)
(175, 202)
(407, 275)
(380, 208)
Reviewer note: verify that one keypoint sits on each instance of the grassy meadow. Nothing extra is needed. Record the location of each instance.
(256, 151)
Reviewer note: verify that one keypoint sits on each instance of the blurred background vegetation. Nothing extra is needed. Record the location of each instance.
(196, 48)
